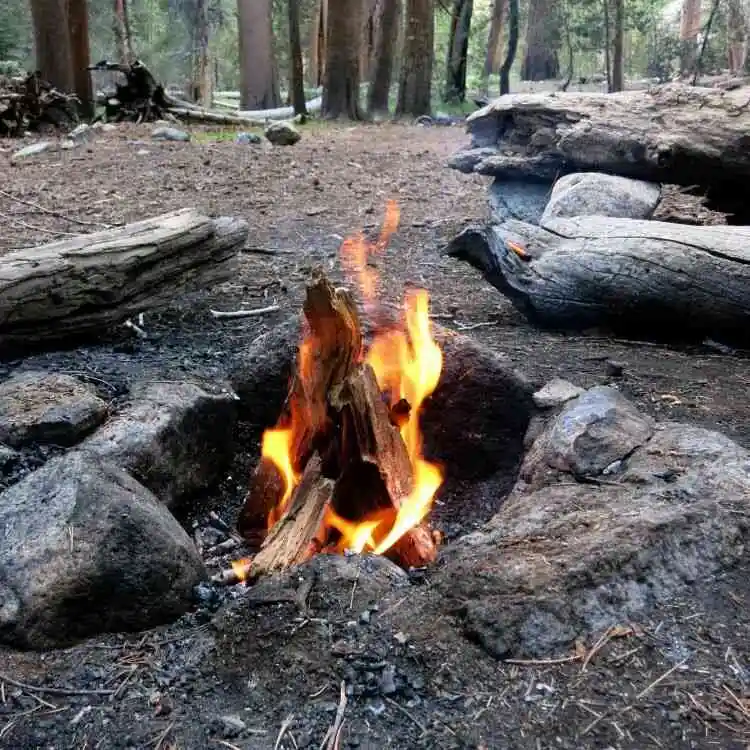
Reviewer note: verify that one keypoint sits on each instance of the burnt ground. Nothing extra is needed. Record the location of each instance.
(271, 661)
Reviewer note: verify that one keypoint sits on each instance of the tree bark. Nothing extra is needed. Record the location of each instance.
(202, 83)
(387, 26)
(510, 56)
(78, 19)
(258, 84)
(121, 28)
(690, 26)
(494, 39)
(458, 50)
(540, 62)
(415, 84)
(368, 33)
(618, 62)
(318, 44)
(81, 286)
(54, 56)
(607, 45)
(296, 68)
(642, 278)
(737, 36)
(700, 139)
(341, 88)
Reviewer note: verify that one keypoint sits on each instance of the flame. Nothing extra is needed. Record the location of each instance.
(407, 363)
(241, 568)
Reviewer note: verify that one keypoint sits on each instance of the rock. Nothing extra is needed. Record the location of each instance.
(33, 150)
(555, 393)
(169, 134)
(282, 134)
(247, 138)
(40, 407)
(231, 726)
(516, 199)
(67, 144)
(613, 368)
(81, 134)
(88, 550)
(565, 561)
(593, 193)
(591, 432)
(8, 457)
(175, 438)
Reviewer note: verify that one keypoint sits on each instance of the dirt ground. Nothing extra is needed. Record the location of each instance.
(279, 667)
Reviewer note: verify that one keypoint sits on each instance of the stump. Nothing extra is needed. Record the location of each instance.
(81, 286)
(649, 278)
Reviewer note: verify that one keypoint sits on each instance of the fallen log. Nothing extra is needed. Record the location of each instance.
(83, 285)
(673, 134)
(196, 114)
(646, 278)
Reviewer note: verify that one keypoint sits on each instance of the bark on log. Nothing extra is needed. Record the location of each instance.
(80, 286)
(675, 134)
(647, 278)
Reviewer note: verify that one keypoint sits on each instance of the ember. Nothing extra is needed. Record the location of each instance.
(343, 469)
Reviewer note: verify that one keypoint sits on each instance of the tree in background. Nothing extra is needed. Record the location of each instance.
(737, 36)
(415, 81)
(341, 77)
(202, 78)
(317, 44)
(258, 81)
(540, 61)
(121, 29)
(690, 27)
(618, 60)
(510, 56)
(296, 67)
(387, 18)
(367, 36)
(458, 51)
(78, 25)
(494, 44)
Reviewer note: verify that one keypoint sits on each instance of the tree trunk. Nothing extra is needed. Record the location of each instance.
(318, 44)
(82, 285)
(641, 278)
(607, 45)
(54, 56)
(458, 49)
(540, 62)
(121, 27)
(202, 83)
(258, 85)
(513, 25)
(690, 27)
(296, 68)
(494, 39)
(618, 62)
(367, 48)
(737, 36)
(415, 84)
(341, 88)
(387, 25)
(78, 18)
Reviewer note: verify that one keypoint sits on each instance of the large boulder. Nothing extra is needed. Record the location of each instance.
(86, 549)
(583, 547)
(42, 407)
(175, 438)
(282, 133)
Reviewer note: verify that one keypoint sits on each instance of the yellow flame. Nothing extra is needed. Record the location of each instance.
(277, 447)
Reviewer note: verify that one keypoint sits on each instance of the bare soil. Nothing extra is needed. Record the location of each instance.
(278, 664)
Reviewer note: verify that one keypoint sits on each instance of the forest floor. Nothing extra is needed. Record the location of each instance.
(265, 666)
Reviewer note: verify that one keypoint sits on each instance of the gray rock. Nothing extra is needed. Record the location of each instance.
(466, 159)
(39, 407)
(231, 726)
(282, 133)
(33, 150)
(175, 438)
(593, 430)
(169, 134)
(8, 457)
(555, 393)
(87, 550)
(81, 134)
(248, 138)
(67, 144)
(565, 560)
(516, 199)
(593, 193)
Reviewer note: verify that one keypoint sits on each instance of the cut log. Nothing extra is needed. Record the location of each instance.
(673, 134)
(646, 278)
(81, 286)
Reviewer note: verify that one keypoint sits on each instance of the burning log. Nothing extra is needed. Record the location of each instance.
(30, 103)
(338, 473)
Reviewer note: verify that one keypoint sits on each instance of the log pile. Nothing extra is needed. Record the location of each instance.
(30, 103)
(349, 455)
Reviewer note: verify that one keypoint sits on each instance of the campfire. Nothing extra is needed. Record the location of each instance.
(343, 469)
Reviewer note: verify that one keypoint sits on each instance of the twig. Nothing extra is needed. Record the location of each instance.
(283, 730)
(136, 329)
(51, 690)
(411, 718)
(49, 211)
(543, 662)
(20, 223)
(333, 737)
(354, 585)
(163, 736)
(218, 314)
(598, 646)
(661, 679)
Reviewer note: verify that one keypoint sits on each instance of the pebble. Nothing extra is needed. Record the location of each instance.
(614, 368)
(388, 680)
(247, 138)
(231, 726)
(170, 134)
(555, 393)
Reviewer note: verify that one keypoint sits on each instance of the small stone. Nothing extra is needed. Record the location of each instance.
(7, 457)
(614, 368)
(555, 393)
(231, 726)
(67, 144)
(400, 638)
(388, 680)
(282, 134)
(33, 150)
(170, 134)
(142, 152)
(247, 138)
(108, 127)
(613, 468)
(364, 617)
(80, 134)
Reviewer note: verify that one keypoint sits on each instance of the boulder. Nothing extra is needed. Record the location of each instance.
(174, 438)
(518, 199)
(87, 549)
(282, 134)
(565, 560)
(593, 193)
(40, 407)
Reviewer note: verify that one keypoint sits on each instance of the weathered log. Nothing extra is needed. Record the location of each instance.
(83, 285)
(674, 134)
(649, 278)
(197, 114)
